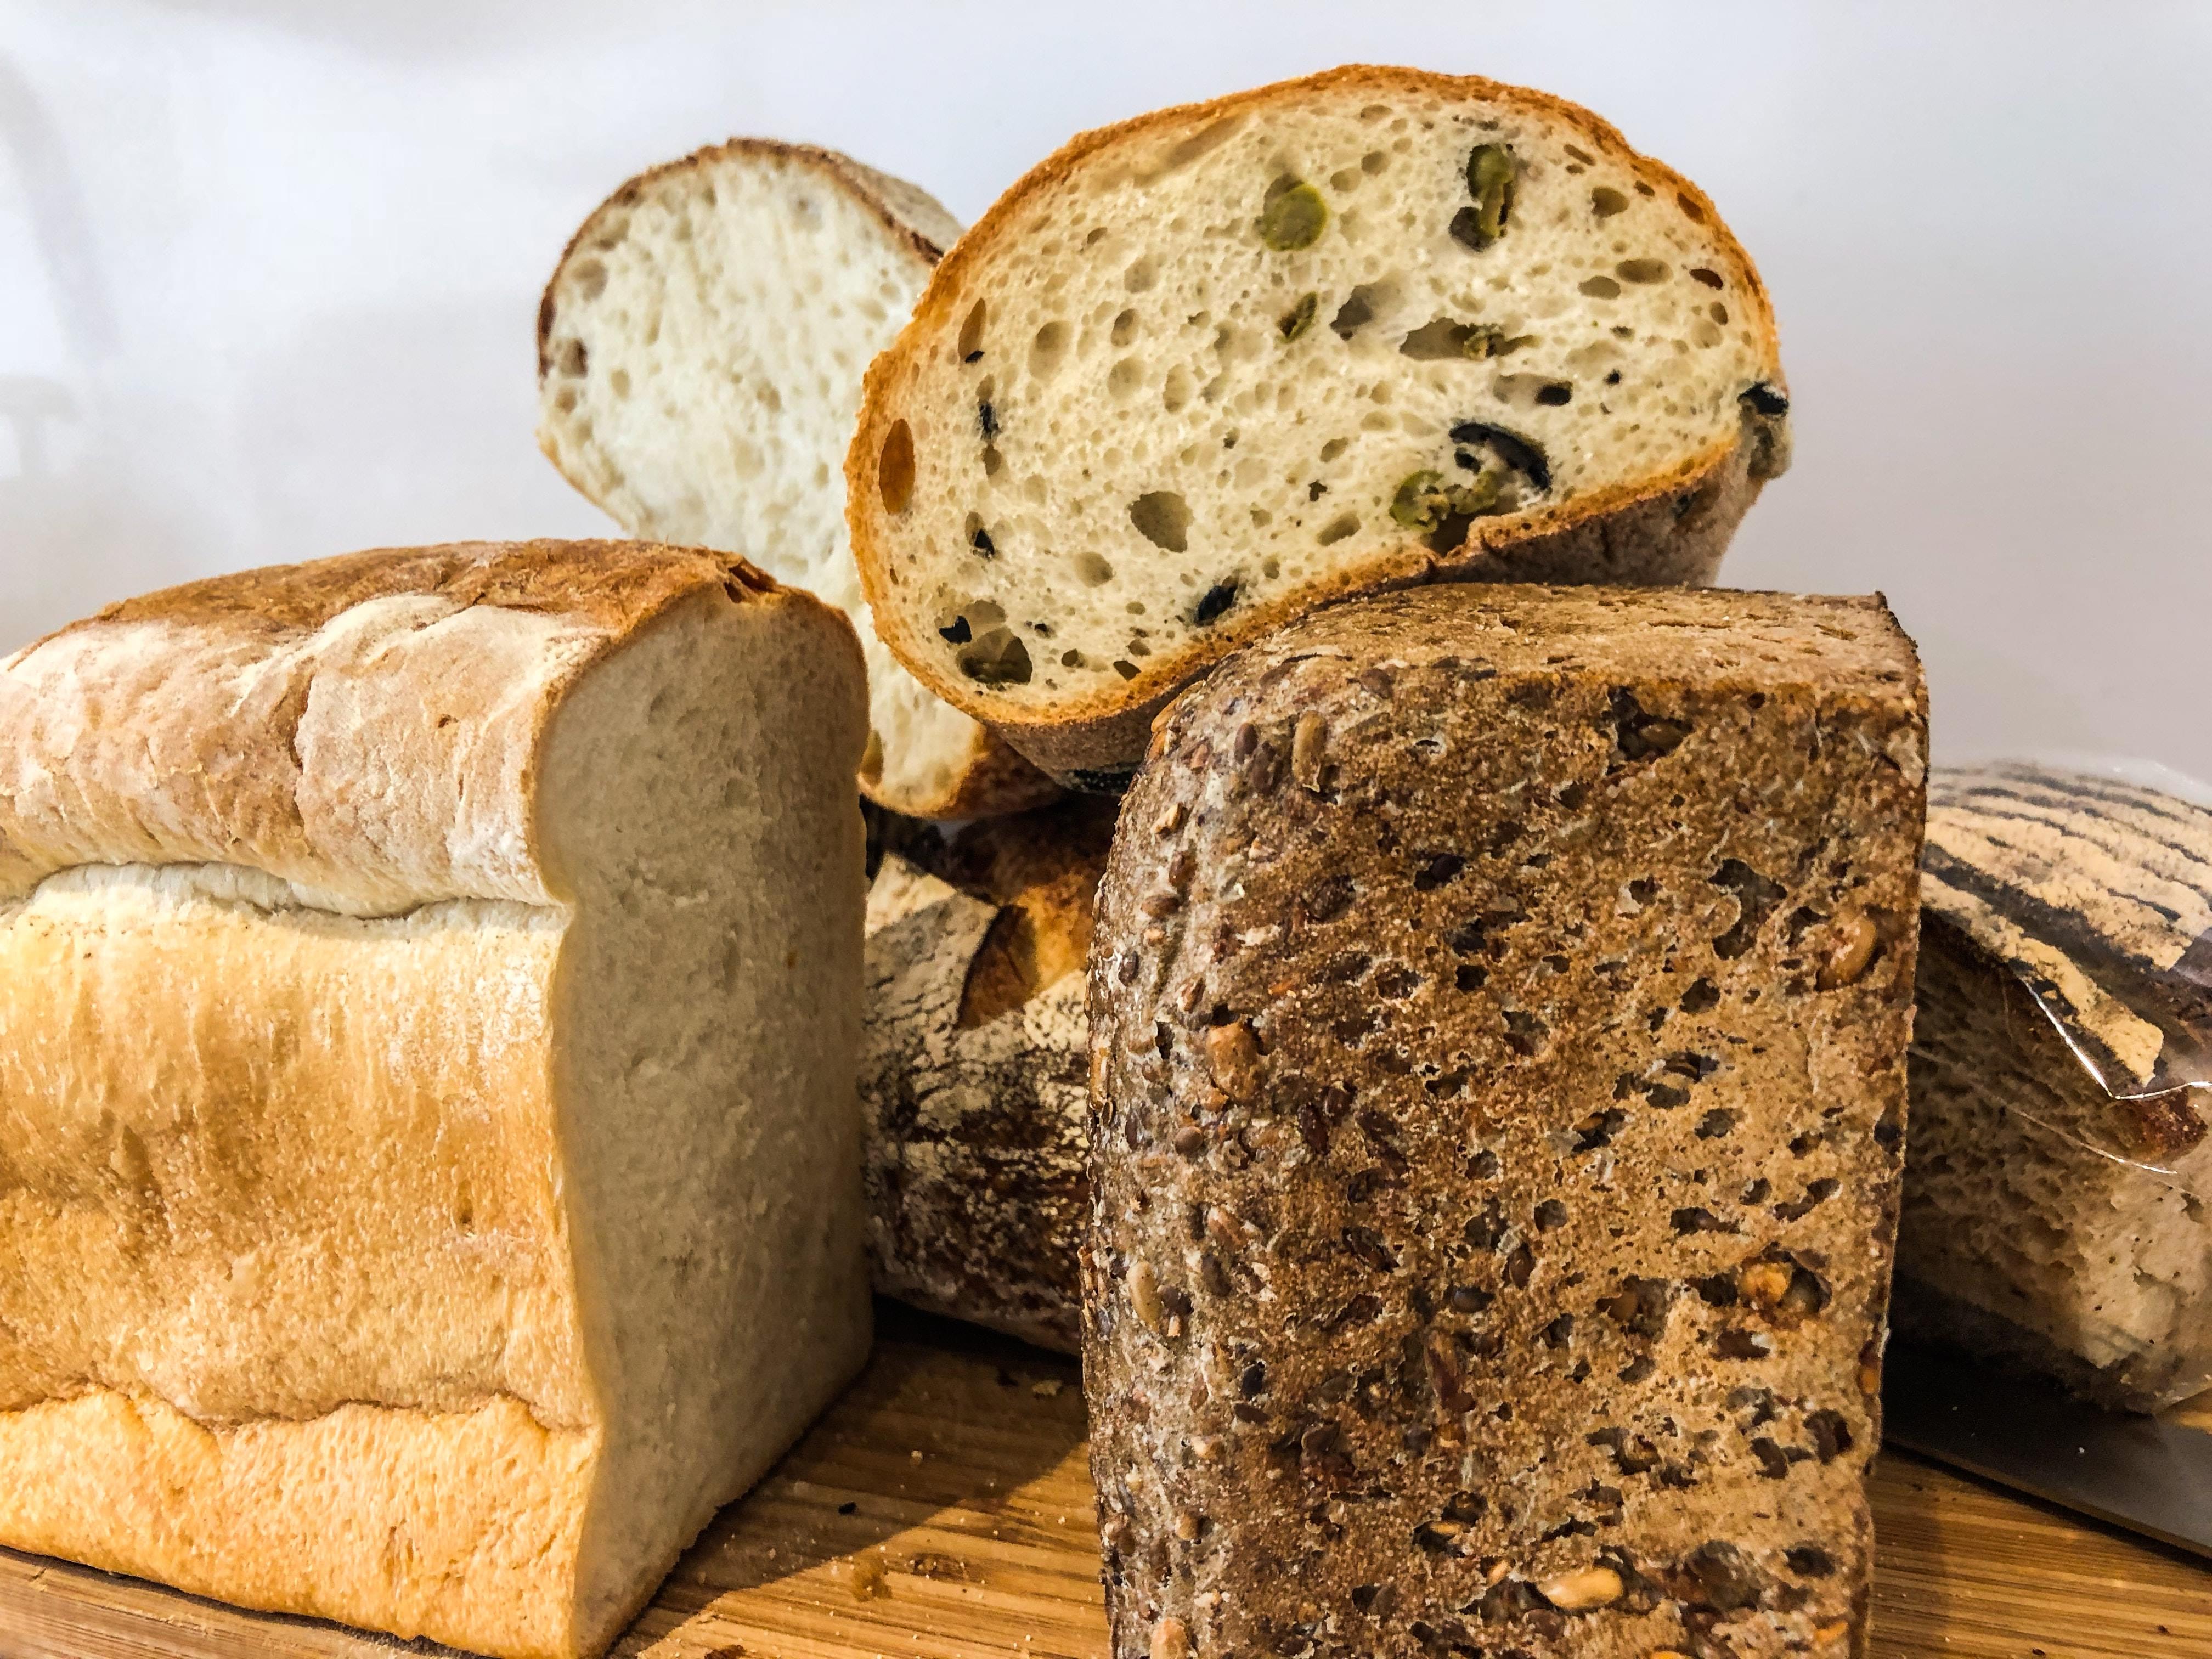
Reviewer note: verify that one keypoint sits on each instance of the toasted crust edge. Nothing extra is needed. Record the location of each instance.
(1073, 736)
(1092, 748)
(994, 782)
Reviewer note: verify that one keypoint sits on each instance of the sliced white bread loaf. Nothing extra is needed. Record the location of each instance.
(1197, 373)
(700, 350)
(432, 1169)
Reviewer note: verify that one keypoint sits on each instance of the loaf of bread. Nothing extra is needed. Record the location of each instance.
(2055, 1203)
(1198, 372)
(431, 1184)
(700, 350)
(1499, 1005)
(974, 1076)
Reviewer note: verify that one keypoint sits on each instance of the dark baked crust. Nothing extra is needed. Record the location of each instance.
(1500, 1004)
(974, 1081)
(1677, 532)
(2092, 893)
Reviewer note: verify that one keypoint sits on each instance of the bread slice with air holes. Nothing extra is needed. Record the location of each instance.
(1198, 372)
(700, 350)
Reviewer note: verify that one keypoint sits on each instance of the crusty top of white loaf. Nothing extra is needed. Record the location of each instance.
(367, 727)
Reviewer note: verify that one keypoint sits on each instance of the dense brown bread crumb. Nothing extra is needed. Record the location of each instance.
(1500, 1000)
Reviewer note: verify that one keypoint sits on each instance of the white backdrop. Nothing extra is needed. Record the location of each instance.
(268, 271)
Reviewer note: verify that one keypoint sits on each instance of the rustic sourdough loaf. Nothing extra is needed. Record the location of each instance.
(975, 1069)
(700, 350)
(1499, 1001)
(1197, 372)
(2055, 1202)
(430, 1184)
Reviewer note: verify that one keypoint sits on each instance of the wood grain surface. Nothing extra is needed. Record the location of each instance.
(942, 1510)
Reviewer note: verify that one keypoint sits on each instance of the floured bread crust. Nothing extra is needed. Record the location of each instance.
(2055, 1213)
(973, 1078)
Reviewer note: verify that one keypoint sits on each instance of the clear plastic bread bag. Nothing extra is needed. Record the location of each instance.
(2060, 1145)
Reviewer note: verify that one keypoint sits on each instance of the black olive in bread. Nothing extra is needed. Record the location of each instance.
(1198, 372)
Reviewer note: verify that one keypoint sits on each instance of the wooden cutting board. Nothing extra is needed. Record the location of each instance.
(942, 1510)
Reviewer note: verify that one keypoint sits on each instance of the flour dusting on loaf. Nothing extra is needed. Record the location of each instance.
(2054, 1207)
(974, 1078)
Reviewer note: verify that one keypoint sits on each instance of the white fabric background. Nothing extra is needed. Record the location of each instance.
(268, 271)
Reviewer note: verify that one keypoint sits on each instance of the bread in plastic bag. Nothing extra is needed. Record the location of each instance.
(2056, 1197)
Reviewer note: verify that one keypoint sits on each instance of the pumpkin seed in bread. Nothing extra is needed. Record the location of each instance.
(1197, 373)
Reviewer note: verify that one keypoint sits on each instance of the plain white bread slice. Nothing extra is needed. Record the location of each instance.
(1198, 372)
(431, 1178)
(700, 352)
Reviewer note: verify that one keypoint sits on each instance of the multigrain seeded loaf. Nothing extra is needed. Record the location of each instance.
(1194, 373)
(973, 1080)
(1499, 1001)
(700, 349)
(2055, 1202)
(429, 995)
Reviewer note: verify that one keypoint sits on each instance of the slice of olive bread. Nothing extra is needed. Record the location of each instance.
(1196, 373)
(700, 350)
(1499, 999)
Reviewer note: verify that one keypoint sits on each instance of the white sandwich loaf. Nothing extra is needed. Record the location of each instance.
(428, 1030)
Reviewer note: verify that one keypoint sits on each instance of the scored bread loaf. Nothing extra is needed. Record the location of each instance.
(700, 350)
(2055, 1209)
(974, 1081)
(1499, 1001)
(430, 1187)
(1198, 372)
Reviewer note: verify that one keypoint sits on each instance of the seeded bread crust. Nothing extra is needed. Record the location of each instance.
(983, 776)
(1673, 525)
(1499, 1002)
(973, 1078)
